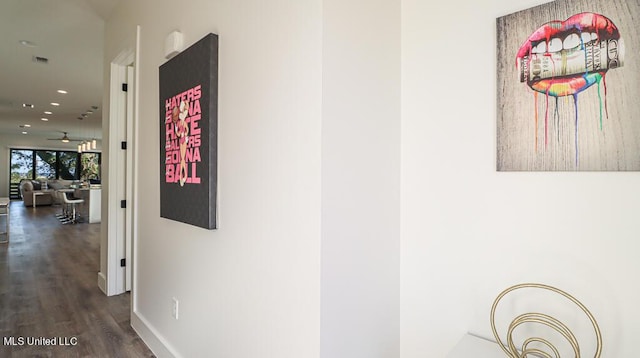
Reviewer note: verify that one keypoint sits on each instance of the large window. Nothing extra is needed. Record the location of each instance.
(45, 164)
(52, 164)
(90, 163)
(21, 165)
(67, 165)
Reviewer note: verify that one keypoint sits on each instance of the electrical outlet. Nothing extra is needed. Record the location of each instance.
(174, 308)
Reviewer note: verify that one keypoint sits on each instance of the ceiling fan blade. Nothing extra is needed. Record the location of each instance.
(65, 138)
(69, 139)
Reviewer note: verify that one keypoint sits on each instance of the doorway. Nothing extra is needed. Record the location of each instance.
(118, 232)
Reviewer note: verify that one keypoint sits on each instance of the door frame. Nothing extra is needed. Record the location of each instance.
(120, 232)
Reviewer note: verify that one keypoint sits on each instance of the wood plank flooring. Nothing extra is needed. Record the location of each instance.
(48, 290)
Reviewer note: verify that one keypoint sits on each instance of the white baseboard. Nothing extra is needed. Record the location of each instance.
(150, 336)
(102, 283)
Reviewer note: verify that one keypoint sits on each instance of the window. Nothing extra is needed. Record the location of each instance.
(90, 166)
(67, 165)
(52, 164)
(45, 164)
(21, 165)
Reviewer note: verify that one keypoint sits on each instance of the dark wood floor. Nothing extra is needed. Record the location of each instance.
(48, 288)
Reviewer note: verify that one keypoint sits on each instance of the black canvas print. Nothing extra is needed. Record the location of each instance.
(188, 134)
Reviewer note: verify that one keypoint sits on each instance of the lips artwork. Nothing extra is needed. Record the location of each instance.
(564, 58)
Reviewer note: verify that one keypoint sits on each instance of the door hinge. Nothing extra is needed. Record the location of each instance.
(123, 204)
(123, 262)
(125, 87)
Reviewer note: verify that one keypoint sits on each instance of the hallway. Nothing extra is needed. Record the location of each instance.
(49, 291)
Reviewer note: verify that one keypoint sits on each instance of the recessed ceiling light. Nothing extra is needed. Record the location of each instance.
(27, 43)
(62, 91)
(55, 104)
(48, 112)
(27, 125)
(24, 132)
(89, 112)
(27, 105)
(44, 119)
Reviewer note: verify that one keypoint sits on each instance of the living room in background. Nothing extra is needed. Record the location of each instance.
(44, 165)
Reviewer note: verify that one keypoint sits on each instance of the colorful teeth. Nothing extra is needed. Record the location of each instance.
(541, 48)
(569, 43)
(588, 37)
(572, 41)
(555, 45)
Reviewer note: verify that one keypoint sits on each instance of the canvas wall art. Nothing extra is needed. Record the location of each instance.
(188, 134)
(568, 75)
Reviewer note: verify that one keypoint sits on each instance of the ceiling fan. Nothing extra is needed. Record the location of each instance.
(66, 139)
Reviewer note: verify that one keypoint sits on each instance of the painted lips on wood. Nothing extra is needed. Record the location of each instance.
(564, 58)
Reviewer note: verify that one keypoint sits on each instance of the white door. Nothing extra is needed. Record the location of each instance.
(128, 227)
(120, 200)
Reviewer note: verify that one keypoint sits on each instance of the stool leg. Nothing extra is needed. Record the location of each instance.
(67, 217)
(61, 214)
(73, 215)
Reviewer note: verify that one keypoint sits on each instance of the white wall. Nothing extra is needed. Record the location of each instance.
(361, 179)
(468, 231)
(250, 288)
(309, 156)
(305, 261)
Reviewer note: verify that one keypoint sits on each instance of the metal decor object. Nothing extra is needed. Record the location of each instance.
(544, 348)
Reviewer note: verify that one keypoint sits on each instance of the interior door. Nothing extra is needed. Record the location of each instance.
(129, 180)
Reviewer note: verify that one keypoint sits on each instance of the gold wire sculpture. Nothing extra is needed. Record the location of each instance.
(549, 351)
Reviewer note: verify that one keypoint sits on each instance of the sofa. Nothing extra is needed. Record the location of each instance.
(44, 189)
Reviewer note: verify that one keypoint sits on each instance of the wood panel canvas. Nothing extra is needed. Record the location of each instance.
(188, 134)
(568, 79)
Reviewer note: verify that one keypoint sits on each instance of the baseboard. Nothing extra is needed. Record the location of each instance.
(102, 283)
(151, 337)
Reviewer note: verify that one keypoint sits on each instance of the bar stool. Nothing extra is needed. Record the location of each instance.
(71, 203)
(58, 199)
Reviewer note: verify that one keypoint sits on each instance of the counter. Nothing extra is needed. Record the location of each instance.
(90, 209)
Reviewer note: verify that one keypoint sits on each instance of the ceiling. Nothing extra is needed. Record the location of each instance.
(69, 33)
